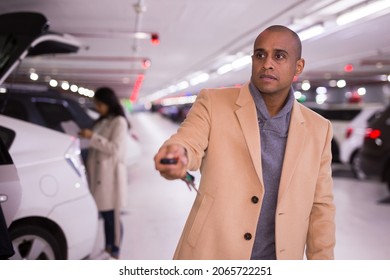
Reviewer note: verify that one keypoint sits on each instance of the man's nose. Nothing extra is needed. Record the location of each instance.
(268, 63)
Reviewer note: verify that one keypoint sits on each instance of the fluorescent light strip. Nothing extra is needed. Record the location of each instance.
(362, 12)
(311, 32)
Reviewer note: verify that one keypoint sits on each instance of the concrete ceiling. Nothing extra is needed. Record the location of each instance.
(199, 36)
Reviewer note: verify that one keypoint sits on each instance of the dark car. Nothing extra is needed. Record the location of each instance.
(375, 152)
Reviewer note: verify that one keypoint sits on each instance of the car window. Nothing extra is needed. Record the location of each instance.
(14, 109)
(54, 114)
(7, 45)
(7, 136)
(5, 157)
(337, 114)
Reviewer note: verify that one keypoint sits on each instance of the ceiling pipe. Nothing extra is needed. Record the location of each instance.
(139, 9)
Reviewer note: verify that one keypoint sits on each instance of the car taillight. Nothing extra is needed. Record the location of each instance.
(372, 133)
(348, 132)
(73, 157)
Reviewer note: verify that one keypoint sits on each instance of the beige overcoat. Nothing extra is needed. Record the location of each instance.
(221, 136)
(106, 166)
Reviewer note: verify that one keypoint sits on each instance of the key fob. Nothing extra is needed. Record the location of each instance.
(168, 161)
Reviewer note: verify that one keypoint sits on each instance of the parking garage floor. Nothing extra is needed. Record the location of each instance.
(157, 208)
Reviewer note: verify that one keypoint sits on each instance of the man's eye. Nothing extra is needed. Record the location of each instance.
(280, 56)
(259, 55)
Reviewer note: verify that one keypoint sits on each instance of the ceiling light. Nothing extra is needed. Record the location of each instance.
(332, 83)
(362, 91)
(305, 85)
(341, 83)
(321, 98)
(182, 85)
(65, 85)
(362, 11)
(146, 63)
(201, 78)
(321, 90)
(53, 83)
(141, 35)
(241, 62)
(225, 69)
(74, 88)
(34, 76)
(311, 32)
(338, 6)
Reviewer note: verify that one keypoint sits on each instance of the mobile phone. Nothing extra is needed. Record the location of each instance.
(168, 160)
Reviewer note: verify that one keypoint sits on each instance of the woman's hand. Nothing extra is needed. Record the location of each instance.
(86, 133)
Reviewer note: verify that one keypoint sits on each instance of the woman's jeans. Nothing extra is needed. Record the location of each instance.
(109, 231)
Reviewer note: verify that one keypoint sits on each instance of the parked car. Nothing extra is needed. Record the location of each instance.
(375, 152)
(10, 197)
(339, 115)
(45, 107)
(354, 136)
(28, 34)
(6, 248)
(59, 111)
(10, 188)
(57, 217)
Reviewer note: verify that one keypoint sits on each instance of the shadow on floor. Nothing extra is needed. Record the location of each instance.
(341, 171)
(385, 200)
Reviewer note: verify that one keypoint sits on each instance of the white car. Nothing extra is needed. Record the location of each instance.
(10, 188)
(339, 115)
(57, 217)
(354, 136)
(10, 197)
(54, 216)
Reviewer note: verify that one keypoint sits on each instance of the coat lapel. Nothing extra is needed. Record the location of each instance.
(247, 117)
(294, 148)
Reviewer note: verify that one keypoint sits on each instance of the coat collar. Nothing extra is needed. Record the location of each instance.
(294, 148)
(247, 117)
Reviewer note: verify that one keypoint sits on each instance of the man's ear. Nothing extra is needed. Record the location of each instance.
(299, 66)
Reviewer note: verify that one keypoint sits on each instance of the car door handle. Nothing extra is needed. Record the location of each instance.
(3, 198)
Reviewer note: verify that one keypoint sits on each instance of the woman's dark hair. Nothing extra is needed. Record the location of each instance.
(107, 96)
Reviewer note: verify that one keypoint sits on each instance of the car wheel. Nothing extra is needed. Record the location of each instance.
(335, 151)
(388, 177)
(356, 166)
(34, 243)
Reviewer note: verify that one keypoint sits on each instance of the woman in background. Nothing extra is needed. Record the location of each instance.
(106, 164)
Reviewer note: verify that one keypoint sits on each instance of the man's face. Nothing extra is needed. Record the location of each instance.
(275, 62)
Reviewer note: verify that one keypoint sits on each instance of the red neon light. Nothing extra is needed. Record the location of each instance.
(154, 39)
(348, 68)
(136, 88)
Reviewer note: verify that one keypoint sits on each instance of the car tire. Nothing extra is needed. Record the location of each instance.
(388, 177)
(34, 243)
(335, 151)
(356, 166)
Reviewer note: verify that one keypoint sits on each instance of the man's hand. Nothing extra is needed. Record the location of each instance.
(171, 171)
